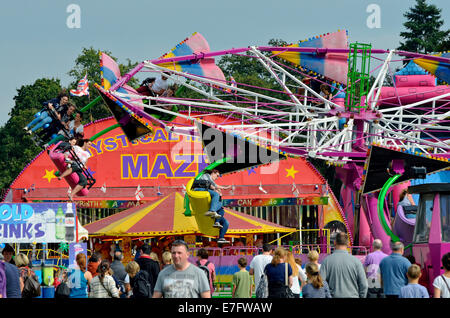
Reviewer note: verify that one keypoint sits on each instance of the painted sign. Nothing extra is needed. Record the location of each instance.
(275, 202)
(105, 204)
(163, 159)
(37, 222)
(74, 250)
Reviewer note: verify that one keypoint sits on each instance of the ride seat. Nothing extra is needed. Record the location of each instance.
(200, 202)
(72, 179)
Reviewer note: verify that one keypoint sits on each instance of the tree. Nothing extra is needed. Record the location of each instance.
(88, 62)
(423, 27)
(17, 148)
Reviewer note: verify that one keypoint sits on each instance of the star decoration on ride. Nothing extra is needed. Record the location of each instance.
(49, 175)
(291, 172)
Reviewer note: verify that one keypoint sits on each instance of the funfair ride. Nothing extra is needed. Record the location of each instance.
(370, 108)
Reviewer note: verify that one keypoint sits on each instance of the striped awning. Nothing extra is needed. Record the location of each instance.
(165, 217)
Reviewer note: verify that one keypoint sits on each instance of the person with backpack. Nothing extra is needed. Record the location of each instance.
(29, 282)
(146, 263)
(139, 281)
(208, 267)
(259, 262)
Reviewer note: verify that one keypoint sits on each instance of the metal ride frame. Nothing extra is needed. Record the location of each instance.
(300, 126)
(308, 125)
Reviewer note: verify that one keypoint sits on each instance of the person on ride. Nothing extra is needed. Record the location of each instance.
(160, 85)
(171, 107)
(214, 190)
(146, 86)
(65, 146)
(57, 105)
(74, 127)
(81, 151)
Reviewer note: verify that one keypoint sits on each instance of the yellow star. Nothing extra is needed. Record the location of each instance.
(49, 175)
(291, 172)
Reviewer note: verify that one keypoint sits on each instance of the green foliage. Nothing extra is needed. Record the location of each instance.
(423, 27)
(17, 148)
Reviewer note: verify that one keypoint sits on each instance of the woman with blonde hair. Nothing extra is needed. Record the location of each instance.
(297, 280)
(276, 274)
(154, 257)
(79, 278)
(316, 286)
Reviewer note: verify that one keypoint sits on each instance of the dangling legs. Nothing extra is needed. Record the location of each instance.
(65, 173)
(225, 224)
(82, 182)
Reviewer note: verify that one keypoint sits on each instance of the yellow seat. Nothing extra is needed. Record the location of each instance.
(200, 201)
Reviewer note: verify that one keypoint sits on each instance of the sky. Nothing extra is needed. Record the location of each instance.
(37, 40)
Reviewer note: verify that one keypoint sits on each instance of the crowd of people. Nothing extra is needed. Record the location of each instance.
(277, 274)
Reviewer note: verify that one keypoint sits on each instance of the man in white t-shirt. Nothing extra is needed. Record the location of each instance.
(259, 262)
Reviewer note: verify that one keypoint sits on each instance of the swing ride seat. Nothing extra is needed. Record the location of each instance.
(200, 201)
(72, 179)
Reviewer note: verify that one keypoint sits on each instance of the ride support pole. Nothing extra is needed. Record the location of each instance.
(97, 100)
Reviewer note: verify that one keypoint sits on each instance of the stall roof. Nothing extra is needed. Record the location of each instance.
(165, 217)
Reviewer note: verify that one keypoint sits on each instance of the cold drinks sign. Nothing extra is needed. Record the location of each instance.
(37, 222)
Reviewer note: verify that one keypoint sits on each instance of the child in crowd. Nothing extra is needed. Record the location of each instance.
(413, 289)
(316, 286)
(242, 285)
(313, 257)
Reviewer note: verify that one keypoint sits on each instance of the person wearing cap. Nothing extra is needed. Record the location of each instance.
(182, 279)
(8, 253)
